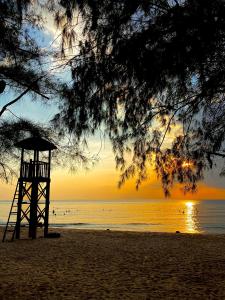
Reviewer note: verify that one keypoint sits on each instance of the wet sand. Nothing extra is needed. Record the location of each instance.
(114, 265)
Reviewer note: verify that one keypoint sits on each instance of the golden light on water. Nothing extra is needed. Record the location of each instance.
(191, 225)
(189, 204)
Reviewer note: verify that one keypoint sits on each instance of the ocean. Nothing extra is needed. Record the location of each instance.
(135, 215)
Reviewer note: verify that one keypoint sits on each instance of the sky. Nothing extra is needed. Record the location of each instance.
(100, 182)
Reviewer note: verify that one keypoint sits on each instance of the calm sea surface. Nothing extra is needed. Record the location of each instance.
(152, 215)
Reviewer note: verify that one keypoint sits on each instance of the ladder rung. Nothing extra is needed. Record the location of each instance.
(12, 225)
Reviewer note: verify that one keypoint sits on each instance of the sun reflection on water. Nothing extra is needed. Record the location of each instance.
(191, 214)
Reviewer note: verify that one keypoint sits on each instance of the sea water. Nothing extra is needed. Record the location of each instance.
(135, 215)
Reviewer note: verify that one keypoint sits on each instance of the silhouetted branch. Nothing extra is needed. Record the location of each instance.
(217, 154)
(13, 101)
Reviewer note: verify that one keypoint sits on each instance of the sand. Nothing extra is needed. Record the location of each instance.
(114, 265)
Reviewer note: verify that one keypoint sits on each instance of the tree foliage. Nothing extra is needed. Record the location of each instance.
(21, 73)
(20, 54)
(26, 69)
(148, 72)
(144, 68)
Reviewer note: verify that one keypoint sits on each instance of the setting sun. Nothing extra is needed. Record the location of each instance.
(189, 204)
(187, 164)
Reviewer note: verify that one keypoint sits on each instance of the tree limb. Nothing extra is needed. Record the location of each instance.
(13, 101)
(6, 75)
(217, 154)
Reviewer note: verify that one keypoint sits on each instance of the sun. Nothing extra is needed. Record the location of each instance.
(189, 204)
(187, 164)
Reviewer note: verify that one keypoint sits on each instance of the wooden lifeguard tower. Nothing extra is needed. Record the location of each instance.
(30, 205)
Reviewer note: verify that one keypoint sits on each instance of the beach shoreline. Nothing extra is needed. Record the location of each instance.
(96, 264)
(140, 216)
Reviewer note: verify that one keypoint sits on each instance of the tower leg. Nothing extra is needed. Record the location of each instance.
(33, 210)
(19, 208)
(46, 218)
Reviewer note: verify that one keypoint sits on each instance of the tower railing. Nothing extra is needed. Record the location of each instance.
(34, 169)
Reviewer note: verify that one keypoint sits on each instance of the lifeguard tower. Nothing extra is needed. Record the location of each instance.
(30, 205)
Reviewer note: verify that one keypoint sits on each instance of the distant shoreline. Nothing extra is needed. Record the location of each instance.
(65, 227)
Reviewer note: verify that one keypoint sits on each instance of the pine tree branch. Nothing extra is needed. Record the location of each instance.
(217, 154)
(13, 101)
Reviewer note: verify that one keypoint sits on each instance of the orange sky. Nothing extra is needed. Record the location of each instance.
(101, 183)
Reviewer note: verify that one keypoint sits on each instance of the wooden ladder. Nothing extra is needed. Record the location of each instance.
(11, 223)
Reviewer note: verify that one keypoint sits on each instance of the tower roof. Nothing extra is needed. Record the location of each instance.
(36, 143)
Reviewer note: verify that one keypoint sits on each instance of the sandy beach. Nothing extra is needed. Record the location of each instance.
(114, 265)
